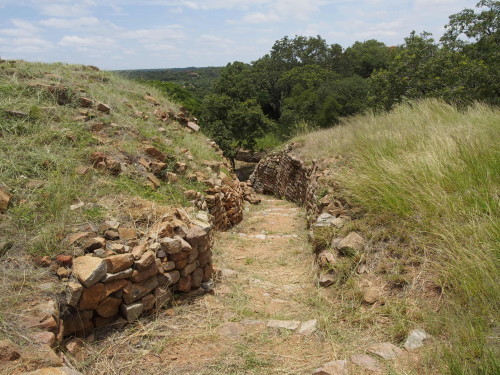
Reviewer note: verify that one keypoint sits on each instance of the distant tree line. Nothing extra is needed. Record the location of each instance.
(306, 83)
(197, 81)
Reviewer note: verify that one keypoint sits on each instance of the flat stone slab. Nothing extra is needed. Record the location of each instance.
(385, 350)
(89, 270)
(333, 368)
(367, 362)
(308, 327)
(291, 325)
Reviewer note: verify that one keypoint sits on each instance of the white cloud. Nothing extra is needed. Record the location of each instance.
(220, 4)
(261, 18)
(70, 23)
(62, 8)
(281, 10)
(22, 29)
(158, 47)
(94, 41)
(28, 45)
(214, 40)
(173, 32)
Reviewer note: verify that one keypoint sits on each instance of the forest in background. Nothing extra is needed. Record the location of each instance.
(304, 83)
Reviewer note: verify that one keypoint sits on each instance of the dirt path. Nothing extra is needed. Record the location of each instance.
(267, 279)
(226, 332)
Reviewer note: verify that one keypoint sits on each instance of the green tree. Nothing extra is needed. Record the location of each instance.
(362, 58)
(233, 124)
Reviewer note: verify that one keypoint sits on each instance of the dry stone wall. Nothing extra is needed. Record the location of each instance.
(286, 176)
(123, 274)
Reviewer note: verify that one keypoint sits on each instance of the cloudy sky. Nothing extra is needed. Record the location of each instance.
(130, 34)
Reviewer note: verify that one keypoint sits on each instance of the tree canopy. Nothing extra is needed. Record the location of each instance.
(305, 80)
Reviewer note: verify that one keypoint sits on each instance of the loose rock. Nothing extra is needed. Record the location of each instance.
(291, 325)
(333, 368)
(308, 327)
(385, 350)
(367, 362)
(416, 339)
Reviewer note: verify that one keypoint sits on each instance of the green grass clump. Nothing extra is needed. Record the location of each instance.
(435, 171)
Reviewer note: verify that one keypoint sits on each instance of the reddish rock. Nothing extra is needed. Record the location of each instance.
(188, 269)
(114, 286)
(181, 264)
(64, 260)
(75, 237)
(207, 272)
(4, 200)
(155, 153)
(109, 307)
(93, 244)
(155, 182)
(127, 233)
(185, 284)
(117, 263)
(43, 356)
(74, 345)
(133, 292)
(140, 275)
(101, 107)
(204, 258)
(85, 102)
(112, 235)
(385, 350)
(8, 351)
(117, 248)
(91, 297)
(146, 260)
(44, 261)
(366, 362)
(137, 251)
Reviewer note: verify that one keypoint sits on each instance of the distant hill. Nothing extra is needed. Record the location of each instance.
(196, 80)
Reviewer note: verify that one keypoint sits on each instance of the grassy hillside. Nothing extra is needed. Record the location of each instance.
(48, 141)
(428, 176)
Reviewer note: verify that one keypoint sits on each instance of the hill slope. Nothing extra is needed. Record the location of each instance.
(56, 119)
(426, 178)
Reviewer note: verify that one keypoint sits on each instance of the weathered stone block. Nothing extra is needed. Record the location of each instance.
(91, 297)
(133, 292)
(117, 263)
(125, 274)
(108, 307)
(133, 311)
(188, 269)
(89, 270)
(171, 245)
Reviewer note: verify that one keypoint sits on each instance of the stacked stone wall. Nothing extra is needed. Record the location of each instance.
(285, 176)
(124, 274)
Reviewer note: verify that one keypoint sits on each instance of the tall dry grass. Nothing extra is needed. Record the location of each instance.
(435, 171)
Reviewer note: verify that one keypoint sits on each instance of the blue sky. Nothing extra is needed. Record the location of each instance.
(126, 34)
